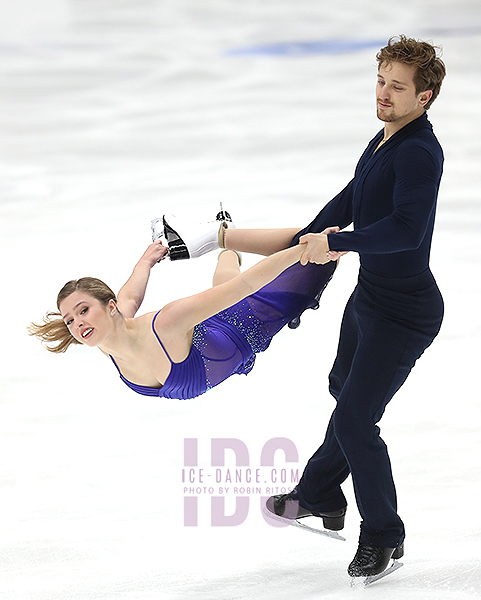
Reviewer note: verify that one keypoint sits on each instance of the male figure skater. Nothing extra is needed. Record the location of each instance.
(395, 311)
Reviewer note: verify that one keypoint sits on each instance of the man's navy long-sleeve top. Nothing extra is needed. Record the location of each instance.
(391, 201)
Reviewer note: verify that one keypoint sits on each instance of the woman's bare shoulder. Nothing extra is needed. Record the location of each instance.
(162, 321)
(142, 319)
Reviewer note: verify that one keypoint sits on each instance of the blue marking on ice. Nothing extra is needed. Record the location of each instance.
(308, 48)
(336, 46)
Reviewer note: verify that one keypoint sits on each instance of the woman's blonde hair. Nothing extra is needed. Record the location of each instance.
(53, 332)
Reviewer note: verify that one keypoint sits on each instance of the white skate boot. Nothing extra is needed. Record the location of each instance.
(186, 239)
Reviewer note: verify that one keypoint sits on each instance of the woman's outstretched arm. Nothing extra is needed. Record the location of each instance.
(132, 293)
(179, 317)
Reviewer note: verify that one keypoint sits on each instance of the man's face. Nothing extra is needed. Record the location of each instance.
(396, 98)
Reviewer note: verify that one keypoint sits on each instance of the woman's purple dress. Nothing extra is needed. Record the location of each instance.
(228, 342)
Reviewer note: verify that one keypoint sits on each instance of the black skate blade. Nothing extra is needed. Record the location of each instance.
(177, 247)
(370, 579)
(296, 523)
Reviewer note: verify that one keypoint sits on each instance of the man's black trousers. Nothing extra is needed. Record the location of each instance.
(387, 324)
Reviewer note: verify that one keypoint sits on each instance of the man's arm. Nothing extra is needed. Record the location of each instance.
(414, 199)
(132, 293)
(336, 213)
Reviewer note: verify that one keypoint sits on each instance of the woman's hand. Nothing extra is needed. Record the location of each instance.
(316, 248)
(154, 253)
(132, 292)
(332, 254)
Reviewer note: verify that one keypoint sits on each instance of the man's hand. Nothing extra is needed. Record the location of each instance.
(316, 250)
(331, 230)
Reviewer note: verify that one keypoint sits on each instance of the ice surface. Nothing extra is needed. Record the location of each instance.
(114, 112)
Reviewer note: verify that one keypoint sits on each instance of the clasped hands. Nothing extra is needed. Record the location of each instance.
(317, 247)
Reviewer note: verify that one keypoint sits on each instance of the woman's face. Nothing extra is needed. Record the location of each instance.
(87, 319)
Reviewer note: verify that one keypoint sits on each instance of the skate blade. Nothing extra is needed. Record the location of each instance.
(296, 523)
(156, 235)
(326, 532)
(367, 581)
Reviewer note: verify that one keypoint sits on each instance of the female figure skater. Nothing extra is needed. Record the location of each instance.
(195, 343)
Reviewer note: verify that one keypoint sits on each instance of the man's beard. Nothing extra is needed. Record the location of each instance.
(383, 115)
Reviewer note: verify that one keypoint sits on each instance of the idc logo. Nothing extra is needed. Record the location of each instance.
(238, 482)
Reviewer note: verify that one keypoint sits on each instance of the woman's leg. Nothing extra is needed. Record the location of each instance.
(227, 267)
(259, 241)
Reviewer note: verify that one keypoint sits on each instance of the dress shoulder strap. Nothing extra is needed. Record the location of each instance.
(158, 339)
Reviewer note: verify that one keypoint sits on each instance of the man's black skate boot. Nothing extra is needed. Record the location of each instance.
(372, 560)
(287, 506)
